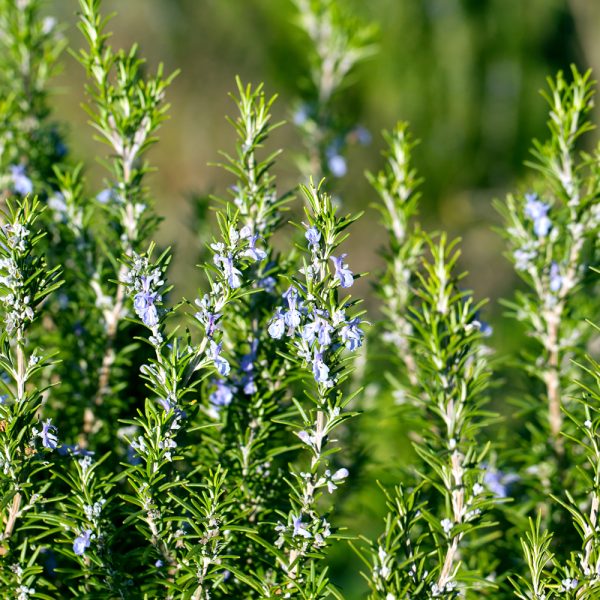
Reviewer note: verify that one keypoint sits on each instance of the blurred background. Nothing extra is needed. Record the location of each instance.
(465, 74)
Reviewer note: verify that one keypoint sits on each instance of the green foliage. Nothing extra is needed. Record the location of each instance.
(152, 446)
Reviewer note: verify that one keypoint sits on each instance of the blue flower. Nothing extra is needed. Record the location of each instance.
(320, 329)
(167, 403)
(342, 272)
(21, 183)
(57, 203)
(143, 302)
(313, 235)
(352, 335)
(300, 529)
(267, 283)
(206, 317)
(253, 252)
(292, 316)
(320, 369)
(105, 196)
(277, 325)
(556, 279)
(247, 366)
(363, 135)
(309, 332)
(221, 364)
(49, 439)
(336, 162)
(82, 542)
(247, 361)
(523, 258)
(222, 396)
(231, 273)
(249, 385)
(537, 211)
(301, 115)
(498, 482)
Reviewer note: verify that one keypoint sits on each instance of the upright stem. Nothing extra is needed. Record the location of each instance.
(552, 378)
(21, 366)
(108, 359)
(445, 574)
(20, 350)
(12, 516)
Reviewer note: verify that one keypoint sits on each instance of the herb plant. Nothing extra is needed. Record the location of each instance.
(153, 446)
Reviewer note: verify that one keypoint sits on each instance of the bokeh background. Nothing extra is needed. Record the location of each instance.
(465, 74)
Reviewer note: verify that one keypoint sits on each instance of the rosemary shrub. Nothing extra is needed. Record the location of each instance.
(153, 446)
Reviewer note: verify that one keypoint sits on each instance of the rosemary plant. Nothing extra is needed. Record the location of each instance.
(157, 447)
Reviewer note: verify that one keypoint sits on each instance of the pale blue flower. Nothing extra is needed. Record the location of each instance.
(82, 542)
(143, 302)
(556, 279)
(292, 317)
(313, 236)
(247, 367)
(320, 369)
(498, 482)
(352, 335)
(221, 364)
(300, 529)
(277, 325)
(57, 203)
(318, 329)
(21, 183)
(335, 161)
(105, 196)
(208, 318)
(342, 272)
(486, 329)
(267, 283)
(49, 439)
(247, 361)
(74, 449)
(249, 385)
(363, 135)
(166, 403)
(338, 476)
(231, 273)
(301, 115)
(222, 396)
(48, 25)
(253, 252)
(337, 165)
(523, 258)
(537, 211)
(309, 332)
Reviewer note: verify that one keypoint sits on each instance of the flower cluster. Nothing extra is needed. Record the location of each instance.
(532, 234)
(210, 310)
(303, 535)
(537, 212)
(145, 284)
(228, 255)
(316, 331)
(15, 239)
